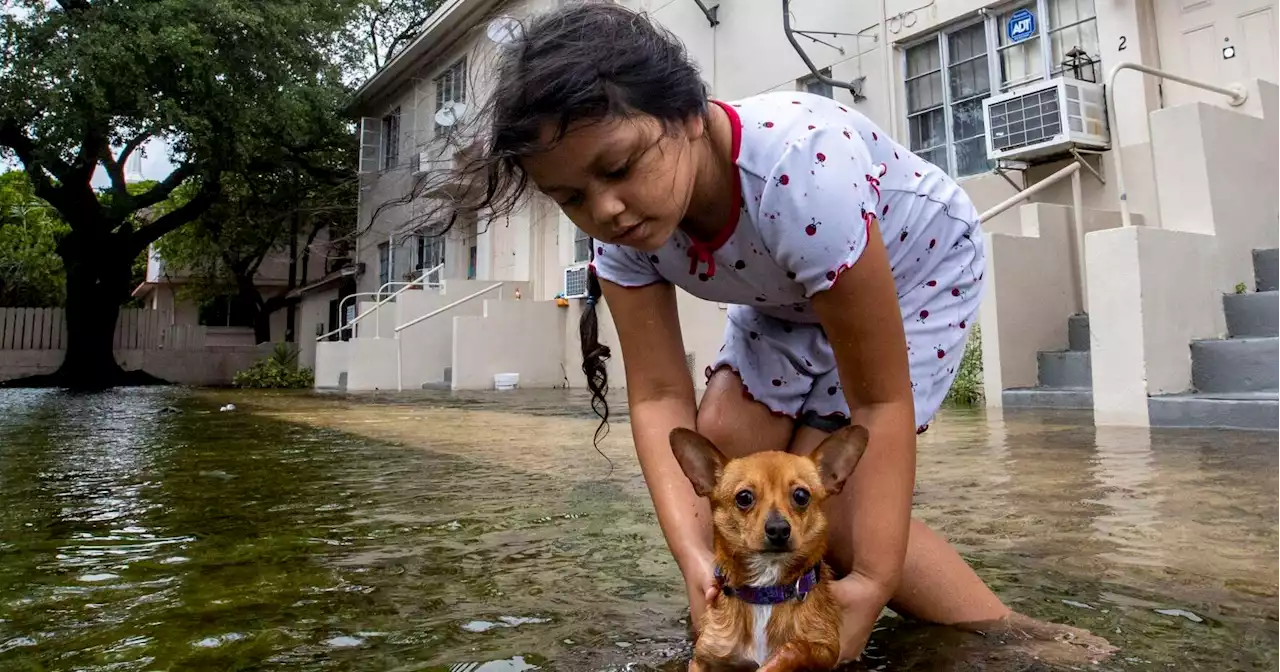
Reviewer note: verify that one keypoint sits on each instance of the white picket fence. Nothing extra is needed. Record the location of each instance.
(136, 329)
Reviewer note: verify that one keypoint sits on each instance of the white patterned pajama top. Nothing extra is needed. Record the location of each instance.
(812, 173)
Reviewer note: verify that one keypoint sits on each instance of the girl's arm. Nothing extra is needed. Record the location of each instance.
(660, 396)
(863, 322)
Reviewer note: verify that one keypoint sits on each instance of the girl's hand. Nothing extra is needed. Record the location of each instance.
(861, 600)
(702, 587)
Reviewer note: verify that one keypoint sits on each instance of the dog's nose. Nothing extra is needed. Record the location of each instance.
(777, 530)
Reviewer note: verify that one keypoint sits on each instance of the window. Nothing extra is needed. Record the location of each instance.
(1074, 24)
(472, 256)
(451, 87)
(948, 75)
(429, 252)
(391, 140)
(581, 246)
(228, 310)
(384, 264)
(815, 86)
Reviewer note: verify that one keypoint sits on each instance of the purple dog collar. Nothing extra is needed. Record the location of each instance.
(771, 594)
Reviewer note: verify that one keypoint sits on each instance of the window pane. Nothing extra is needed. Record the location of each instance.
(1021, 63)
(1064, 12)
(927, 130)
(971, 157)
(937, 157)
(923, 58)
(966, 119)
(924, 93)
(969, 78)
(967, 43)
(1084, 35)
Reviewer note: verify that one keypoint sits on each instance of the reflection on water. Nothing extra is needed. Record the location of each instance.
(145, 530)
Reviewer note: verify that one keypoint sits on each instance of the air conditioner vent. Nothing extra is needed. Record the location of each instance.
(1045, 120)
(575, 282)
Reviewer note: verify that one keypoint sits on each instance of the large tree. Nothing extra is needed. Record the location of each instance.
(232, 86)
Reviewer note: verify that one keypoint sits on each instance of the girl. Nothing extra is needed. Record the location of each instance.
(854, 268)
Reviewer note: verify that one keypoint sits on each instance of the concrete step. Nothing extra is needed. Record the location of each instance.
(1244, 410)
(1266, 270)
(1048, 397)
(1064, 368)
(1078, 332)
(1235, 365)
(1255, 314)
(438, 385)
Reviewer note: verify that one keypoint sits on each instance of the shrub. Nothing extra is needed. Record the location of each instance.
(966, 390)
(280, 370)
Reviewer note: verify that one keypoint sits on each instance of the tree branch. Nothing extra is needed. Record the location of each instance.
(133, 144)
(115, 171)
(162, 190)
(197, 206)
(69, 5)
(32, 158)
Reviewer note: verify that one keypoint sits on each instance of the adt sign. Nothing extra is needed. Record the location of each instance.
(1022, 24)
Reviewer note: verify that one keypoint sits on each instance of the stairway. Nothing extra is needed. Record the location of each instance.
(1234, 379)
(1064, 376)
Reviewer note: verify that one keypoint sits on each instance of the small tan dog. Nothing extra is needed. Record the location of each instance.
(775, 611)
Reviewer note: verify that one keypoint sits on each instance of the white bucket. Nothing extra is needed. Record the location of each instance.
(506, 381)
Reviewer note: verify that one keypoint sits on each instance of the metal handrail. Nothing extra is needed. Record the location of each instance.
(1077, 218)
(377, 325)
(437, 311)
(1237, 94)
(421, 280)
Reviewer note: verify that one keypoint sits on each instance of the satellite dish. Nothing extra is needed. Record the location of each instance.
(450, 113)
(505, 30)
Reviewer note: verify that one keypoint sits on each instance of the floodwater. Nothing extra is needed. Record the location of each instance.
(143, 529)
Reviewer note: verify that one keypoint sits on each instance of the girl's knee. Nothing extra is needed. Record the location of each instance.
(736, 424)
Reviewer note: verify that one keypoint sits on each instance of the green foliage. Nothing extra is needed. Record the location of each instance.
(279, 371)
(1241, 288)
(378, 31)
(966, 390)
(31, 273)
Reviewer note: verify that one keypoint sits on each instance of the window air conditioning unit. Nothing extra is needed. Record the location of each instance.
(575, 282)
(1046, 119)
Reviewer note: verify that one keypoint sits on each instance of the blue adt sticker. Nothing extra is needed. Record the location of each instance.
(1022, 24)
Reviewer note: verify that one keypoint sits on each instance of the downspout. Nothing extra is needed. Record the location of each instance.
(887, 52)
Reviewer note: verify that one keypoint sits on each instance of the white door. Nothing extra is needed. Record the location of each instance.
(1216, 41)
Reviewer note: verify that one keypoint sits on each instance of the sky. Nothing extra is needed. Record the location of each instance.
(149, 162)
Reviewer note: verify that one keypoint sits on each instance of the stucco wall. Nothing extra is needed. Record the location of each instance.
(524, 337)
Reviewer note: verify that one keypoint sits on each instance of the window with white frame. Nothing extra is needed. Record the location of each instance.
(950, 73)
(581, 246)
(429, 251)
(384, 263)
(391, 140)
(451, 87)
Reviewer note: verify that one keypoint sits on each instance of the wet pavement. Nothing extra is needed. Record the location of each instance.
(143, 529)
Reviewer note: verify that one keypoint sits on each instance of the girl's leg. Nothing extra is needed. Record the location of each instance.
(737, 425)
(937, 584)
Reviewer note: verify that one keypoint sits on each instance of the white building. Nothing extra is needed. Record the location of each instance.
(1199, 170)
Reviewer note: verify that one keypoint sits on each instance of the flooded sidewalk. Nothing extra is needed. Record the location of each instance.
(145, 529)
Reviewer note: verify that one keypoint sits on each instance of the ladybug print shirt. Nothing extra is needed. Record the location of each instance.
(814, 174)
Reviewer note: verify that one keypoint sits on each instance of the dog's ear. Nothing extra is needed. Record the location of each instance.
(838, 454)
(701, 461)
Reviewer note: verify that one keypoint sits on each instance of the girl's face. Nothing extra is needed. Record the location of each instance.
(622, 181)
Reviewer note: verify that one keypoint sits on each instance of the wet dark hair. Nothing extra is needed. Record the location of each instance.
(581, 63)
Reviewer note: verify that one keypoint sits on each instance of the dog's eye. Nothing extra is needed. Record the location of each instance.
(800, 497)
(744, 499)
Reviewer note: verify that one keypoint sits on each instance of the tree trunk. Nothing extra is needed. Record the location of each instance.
(290, 317)
(98, 274)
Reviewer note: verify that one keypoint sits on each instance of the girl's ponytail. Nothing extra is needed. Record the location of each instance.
(594, 356)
